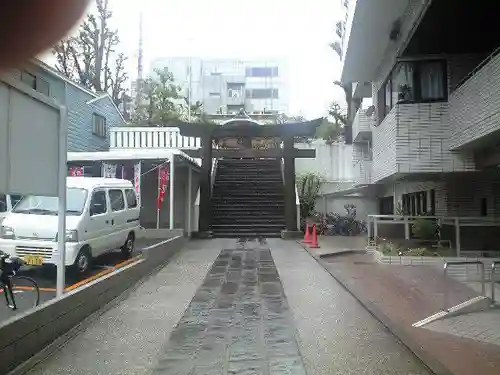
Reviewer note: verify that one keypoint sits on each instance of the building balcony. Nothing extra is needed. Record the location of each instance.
(362, 171)
(361, 127)
(475, 108)
(415, 138)
(160, 138)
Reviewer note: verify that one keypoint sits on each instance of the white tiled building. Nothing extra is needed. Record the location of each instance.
(428, 143)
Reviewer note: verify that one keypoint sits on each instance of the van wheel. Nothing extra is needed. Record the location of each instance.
(129, 246)
(83, 262)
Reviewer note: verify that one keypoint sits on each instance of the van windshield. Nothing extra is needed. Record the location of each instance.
(41, 205)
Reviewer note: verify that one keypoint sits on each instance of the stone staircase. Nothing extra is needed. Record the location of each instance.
(248, 199)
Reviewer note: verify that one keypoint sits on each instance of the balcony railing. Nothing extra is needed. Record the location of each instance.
(474, 110)
(361, 131)
(137, 137)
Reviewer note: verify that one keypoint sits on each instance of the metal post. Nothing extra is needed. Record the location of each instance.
(158, 208)
(171, 200)
(493, 268)
(457, 236)
(62, 173)
(407, 228)
(190, 199)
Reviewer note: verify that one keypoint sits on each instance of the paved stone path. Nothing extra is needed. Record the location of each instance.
(238, 321)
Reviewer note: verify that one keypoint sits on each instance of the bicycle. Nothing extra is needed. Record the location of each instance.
(26, 289)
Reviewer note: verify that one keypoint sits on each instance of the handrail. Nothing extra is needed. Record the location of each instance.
(478, 67)
(493, 269)
(461, 263)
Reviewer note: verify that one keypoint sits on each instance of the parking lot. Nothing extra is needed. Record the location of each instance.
(45, 276)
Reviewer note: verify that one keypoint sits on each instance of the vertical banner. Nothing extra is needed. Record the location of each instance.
(76, 171)
(163, 179)
(137, 181)
(108, 170)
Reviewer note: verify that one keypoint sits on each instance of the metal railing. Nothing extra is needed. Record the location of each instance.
(494, 268)
(461, 263)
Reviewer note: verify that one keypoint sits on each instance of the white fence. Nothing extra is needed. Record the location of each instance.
(138, 137)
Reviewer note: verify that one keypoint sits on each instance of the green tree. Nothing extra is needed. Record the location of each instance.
(332, 128)
(90, 58)
(158, 104)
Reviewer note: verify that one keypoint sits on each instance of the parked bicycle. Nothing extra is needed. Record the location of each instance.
(21, 292)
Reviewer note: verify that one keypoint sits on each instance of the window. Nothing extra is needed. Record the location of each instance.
(484, 207)
(415, 204)
(3, 203)
(117, 200)
(99, 125)
(98, 204)
(262, 93)
(131, 198)
(42, 205)
(433, 202)
(28, 79)
(36, 83)
(386, 206)
(216, 94)
(414, 82)
(42, 86)
(262, 72)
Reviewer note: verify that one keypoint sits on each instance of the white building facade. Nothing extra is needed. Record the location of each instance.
(425, 136)
(225, 86)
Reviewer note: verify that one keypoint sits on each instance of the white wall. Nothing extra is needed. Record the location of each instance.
(332, 162)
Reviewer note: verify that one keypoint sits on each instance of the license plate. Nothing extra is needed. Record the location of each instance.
(33, 260)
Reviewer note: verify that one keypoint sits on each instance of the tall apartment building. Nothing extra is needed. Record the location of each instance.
(225, 86)
(428, 140)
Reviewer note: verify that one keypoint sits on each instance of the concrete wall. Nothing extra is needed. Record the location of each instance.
(333, 162)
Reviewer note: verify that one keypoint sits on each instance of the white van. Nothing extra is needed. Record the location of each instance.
(102, 215)
(7, 202)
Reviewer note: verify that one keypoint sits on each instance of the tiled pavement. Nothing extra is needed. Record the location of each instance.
(482, 326)
(403, 295)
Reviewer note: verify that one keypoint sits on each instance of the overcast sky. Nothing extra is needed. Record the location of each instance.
(297, 30)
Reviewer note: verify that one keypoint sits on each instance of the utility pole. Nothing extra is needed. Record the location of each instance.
(189, 89)
(140, 63)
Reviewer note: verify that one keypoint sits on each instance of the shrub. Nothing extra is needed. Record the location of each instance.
(425, 229)
(417, 252)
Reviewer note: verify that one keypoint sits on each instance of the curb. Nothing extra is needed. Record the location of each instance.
(426, 358)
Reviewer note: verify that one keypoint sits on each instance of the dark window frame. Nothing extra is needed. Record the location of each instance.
(417, 87)
(416, 203)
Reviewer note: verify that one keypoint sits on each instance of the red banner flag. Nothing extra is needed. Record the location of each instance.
(76, 171)
(163, 176)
